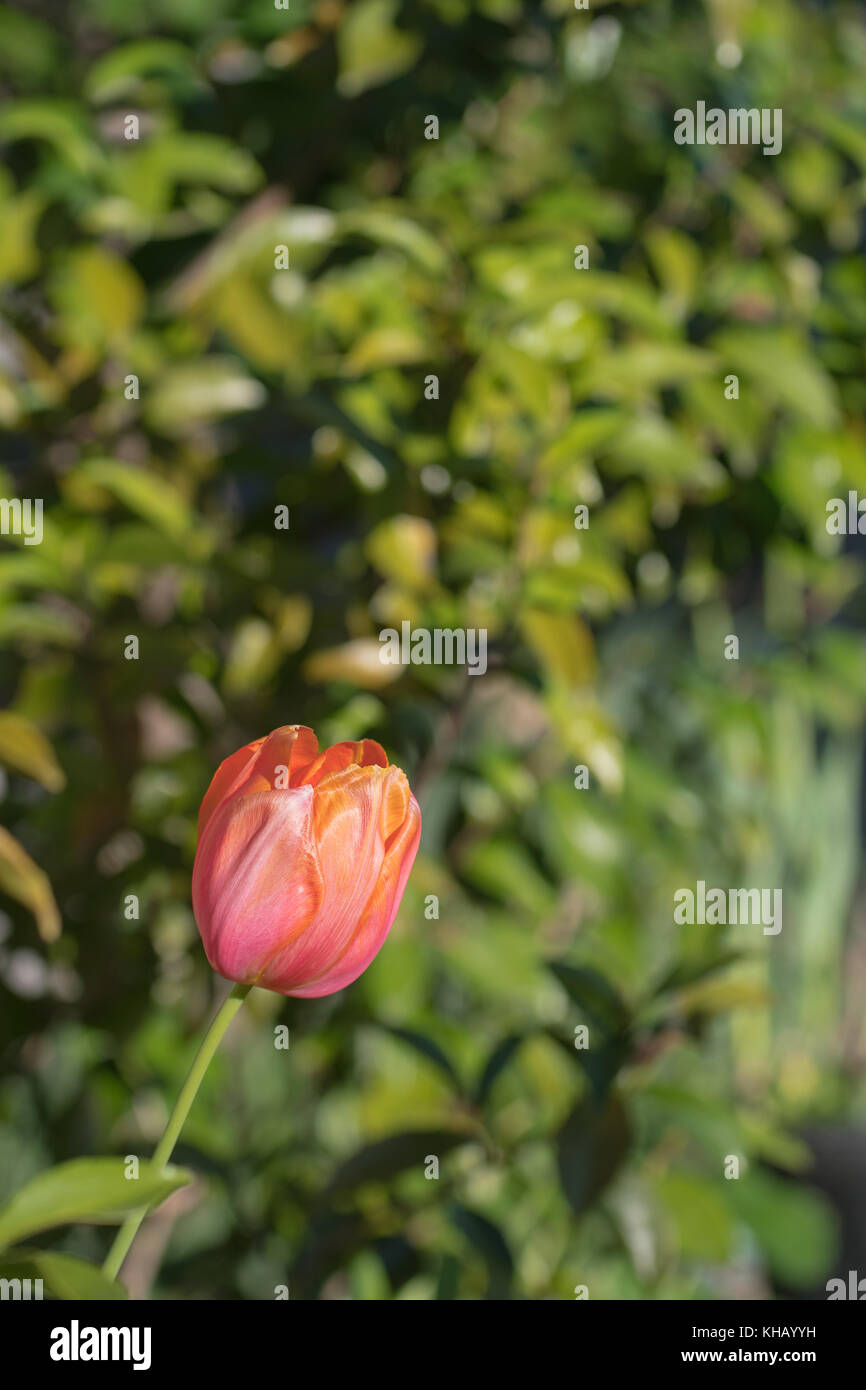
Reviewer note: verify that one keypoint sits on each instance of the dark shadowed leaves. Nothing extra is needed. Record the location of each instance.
(496, 1062)
(594, 996)
(429, 1049)
(591, 1147)
(490, 1243)
(386, 1158)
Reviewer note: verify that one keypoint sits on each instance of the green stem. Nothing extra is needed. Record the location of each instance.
(164, 1149)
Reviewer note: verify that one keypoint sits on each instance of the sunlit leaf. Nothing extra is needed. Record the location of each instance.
(23, 880)
(92, 1190)
(26, 749)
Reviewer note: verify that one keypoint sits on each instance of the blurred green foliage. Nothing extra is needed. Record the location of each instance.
(304, 388)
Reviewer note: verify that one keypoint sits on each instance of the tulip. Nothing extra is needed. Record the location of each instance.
(302, 860)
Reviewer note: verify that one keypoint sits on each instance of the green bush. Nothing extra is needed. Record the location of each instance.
(168, 383)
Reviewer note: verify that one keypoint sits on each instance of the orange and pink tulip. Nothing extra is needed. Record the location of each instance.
(302, 860)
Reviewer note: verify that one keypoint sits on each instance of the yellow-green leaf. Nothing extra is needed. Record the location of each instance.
(92, 1190)
(403, 548)
(23, 880)
(24, 748)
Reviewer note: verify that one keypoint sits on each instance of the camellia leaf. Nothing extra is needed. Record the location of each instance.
(88, 1190)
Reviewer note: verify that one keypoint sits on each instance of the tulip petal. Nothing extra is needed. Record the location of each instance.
(293, 748)
(257, 884)
(365, 753)
(378, 916)
(258, 767)
(227, 774)
(350, 850)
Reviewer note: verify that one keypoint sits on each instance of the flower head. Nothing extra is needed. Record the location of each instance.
(302, 860)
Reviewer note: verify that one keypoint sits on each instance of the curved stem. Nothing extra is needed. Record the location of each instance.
(164, 1149)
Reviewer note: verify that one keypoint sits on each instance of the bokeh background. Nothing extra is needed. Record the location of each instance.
(305, 388)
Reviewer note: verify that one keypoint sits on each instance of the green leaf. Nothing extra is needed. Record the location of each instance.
(491, 1245)
(19, 254)
(24, 748)
(722, 996)
(86, 1190)
(100, 297)
(384, 1159)
(777, 363)
(147, 494)
(591, 1147)
(23, 880)
(122, 68)
(27, 622)
(403, 548)
(507, 872)
(356, 662)
(428, 1048)
(594, 995)
(385, 225)
(28, 46)
(387, 346)
(252, 658)
(687, 972)
(496, 1062)
(603, 1062)
(563, 644)
(370, 48)
(195, 393)
(794, 1225)
(699, 1213)
(446, 1285)
(58, 122)
(64, 1275)
(676, 261)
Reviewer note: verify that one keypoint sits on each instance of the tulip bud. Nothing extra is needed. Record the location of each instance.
(302, 860)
